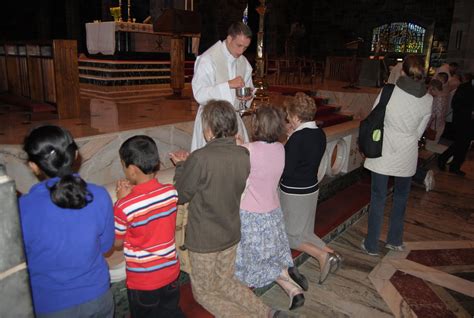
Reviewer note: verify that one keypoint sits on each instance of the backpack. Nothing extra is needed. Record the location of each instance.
(371, 128)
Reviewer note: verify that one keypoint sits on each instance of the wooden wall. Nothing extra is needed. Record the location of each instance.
(43, 72)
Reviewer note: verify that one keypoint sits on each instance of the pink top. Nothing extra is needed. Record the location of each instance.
(267, 161)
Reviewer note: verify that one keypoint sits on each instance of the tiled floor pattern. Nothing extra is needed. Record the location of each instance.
(434, 280)
(416, 282)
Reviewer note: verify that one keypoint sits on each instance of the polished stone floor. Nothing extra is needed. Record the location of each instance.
(114, 109)
(433, 278)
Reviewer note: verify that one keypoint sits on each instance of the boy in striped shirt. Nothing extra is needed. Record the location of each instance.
(145, 221)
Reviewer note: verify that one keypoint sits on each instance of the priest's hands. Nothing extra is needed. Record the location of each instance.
(237, 82)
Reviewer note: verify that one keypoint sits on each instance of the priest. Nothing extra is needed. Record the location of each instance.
(218, 72)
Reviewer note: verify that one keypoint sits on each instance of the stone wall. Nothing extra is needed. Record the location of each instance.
(461, 40)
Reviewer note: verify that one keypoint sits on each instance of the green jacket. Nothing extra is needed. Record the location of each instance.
(212, 180)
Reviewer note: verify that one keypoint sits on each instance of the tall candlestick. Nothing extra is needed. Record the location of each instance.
(128, 13)
(120, 10)
(260, 82)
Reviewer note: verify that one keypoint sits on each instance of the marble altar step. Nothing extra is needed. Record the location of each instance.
(127, 72)
(131, 93)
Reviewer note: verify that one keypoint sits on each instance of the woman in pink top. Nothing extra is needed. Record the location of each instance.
(263, 254)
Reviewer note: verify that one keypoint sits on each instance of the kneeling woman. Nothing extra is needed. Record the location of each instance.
(263, 255)
(299, 186)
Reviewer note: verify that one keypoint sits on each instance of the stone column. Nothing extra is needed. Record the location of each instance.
(15, 296)
(461, 39)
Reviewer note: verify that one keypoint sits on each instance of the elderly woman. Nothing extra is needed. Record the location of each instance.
(407, 115)
(264, 255)
(212, 180)
(299, 185)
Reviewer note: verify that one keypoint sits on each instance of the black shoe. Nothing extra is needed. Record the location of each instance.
(457, 172)
(297, 302)
(441, 164)
(280, 314)
(299, 278)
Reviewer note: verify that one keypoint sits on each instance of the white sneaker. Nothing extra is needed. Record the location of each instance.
(398, 248)
(429, 181)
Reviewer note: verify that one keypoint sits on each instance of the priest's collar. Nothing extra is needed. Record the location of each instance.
(228, 56)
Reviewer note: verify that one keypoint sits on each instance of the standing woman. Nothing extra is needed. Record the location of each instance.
(68, 225)
(263, 254)
(299, 185)
(407, 115)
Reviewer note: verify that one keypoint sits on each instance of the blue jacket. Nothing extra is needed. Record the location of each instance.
(64, 247)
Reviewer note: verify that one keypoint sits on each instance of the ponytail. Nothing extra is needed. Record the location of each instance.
(53, 150)
(70, 192)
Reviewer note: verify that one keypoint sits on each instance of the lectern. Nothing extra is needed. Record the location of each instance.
(353, 46)
(178, 24)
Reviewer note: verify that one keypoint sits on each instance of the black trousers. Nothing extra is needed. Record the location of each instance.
(458, 148)
(162, 302)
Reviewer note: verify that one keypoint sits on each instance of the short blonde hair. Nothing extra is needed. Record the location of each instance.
(301, 106)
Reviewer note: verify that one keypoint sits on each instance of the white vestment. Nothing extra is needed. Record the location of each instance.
(212, 71)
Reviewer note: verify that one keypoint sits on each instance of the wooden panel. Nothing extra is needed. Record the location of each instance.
(340, 68)
(13, 75)
(3, 75)
(48, 79)
(25, 86)
(35, 78)
(177, 64)
(66, 73)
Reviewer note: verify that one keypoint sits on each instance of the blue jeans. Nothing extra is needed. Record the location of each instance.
(378, 197)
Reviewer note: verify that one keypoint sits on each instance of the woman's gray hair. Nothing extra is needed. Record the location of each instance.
(220, 117)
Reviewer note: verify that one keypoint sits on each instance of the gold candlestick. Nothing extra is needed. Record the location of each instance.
(128, 13)
(260, 80)
(120, 10)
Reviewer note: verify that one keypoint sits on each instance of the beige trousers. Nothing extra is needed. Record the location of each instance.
(216, 289)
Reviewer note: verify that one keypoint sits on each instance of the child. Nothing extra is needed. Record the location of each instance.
(145, 220)
(212, 180)
(440, 105)
(67, 227)
(264, 255)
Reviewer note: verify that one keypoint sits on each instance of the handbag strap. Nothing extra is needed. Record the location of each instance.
(387, 91)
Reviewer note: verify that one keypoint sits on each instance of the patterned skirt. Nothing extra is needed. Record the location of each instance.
(263, 250)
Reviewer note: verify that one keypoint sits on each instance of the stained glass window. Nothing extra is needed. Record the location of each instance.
(400, 37)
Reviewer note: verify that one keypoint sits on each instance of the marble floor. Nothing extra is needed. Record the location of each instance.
(112, 109)
(434, 277)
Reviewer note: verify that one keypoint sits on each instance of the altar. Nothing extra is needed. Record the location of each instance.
(110, 38)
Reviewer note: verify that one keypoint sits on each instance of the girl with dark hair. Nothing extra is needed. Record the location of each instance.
(67, 226)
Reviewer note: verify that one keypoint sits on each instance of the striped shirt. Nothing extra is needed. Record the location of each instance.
(146, 220)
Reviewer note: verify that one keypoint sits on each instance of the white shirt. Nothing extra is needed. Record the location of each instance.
(210, 81)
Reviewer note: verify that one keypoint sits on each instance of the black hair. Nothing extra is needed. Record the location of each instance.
(53, 150)
(142, 152)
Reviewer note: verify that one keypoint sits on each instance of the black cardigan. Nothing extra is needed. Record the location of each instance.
(303, 153)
